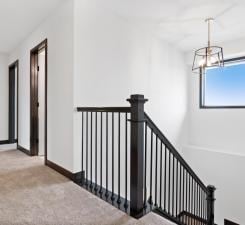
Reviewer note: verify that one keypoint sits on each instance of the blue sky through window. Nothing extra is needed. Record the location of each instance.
(225, 86)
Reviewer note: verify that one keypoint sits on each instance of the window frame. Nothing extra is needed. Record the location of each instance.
(202, 94)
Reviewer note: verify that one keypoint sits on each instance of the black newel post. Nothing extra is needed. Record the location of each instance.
(210, 204)
(137, 155)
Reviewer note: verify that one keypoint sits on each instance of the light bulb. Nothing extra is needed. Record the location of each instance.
(202, 62)
(210, 61)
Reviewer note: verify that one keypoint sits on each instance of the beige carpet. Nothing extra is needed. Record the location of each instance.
(33, 194)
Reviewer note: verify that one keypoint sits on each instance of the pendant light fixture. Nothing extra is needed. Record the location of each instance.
(210, 56)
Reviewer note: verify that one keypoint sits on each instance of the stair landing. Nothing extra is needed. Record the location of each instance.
(32, 193)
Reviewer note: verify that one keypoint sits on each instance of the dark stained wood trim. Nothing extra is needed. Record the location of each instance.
(227, 222)
(33, 52)
(60, 170)
(16, 64)
(202, 89)
(24, 150)
(6, 142)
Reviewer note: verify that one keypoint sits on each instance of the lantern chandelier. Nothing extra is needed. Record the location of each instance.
(210, 56)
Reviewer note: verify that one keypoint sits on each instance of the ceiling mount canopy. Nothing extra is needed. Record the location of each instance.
(210, 56)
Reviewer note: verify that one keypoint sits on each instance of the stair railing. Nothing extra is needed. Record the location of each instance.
(127, 161)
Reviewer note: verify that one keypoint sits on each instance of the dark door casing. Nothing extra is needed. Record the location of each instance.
(34, 104)
(12, 108)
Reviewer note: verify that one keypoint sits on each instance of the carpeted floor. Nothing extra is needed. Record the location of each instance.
(33, 194)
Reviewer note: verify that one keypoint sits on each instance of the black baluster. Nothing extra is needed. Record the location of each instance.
(161, 168)
(180, 190)
(96, 151)
(112, 147)
(86, 148)
(82, 141)
(197, 200)
(101, 152)
(145, 166)
(156, 171)
(188, 194)
(192, 198)
(91, 149)
(119, 158)
(189, 187)
(200, 202)
(173, 186)
(165, 176)
(183, 188)
(189, 190)
(206, 207)
(107, 136)
(177, 191)
(203, 205)
(169, 179)
(150, 200)
(126, 161)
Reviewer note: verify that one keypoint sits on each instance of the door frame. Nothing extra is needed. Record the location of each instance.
(34, 96)
(15, 64)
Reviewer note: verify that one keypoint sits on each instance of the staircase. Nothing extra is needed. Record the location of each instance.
(127, 161)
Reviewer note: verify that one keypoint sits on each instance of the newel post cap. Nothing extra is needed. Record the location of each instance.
(137, 98)
(211, 188)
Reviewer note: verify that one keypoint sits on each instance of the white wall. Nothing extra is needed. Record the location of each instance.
(216, 129)
(226, 172)
(216, 144)
(58, 29)
(219, 130)
(114, 59)
(4, 84)
(111, 60)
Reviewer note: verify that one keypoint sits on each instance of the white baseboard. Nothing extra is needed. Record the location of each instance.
(8, 147)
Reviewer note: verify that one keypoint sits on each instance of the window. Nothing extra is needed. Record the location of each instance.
(224, 87)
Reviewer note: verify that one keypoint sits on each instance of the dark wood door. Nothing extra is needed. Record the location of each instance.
(34, 103)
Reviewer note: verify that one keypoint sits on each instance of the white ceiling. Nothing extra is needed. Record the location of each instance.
(182, 21)
(18, 18)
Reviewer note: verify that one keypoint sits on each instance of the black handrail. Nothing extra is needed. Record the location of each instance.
(103, 109)
(168, 144)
